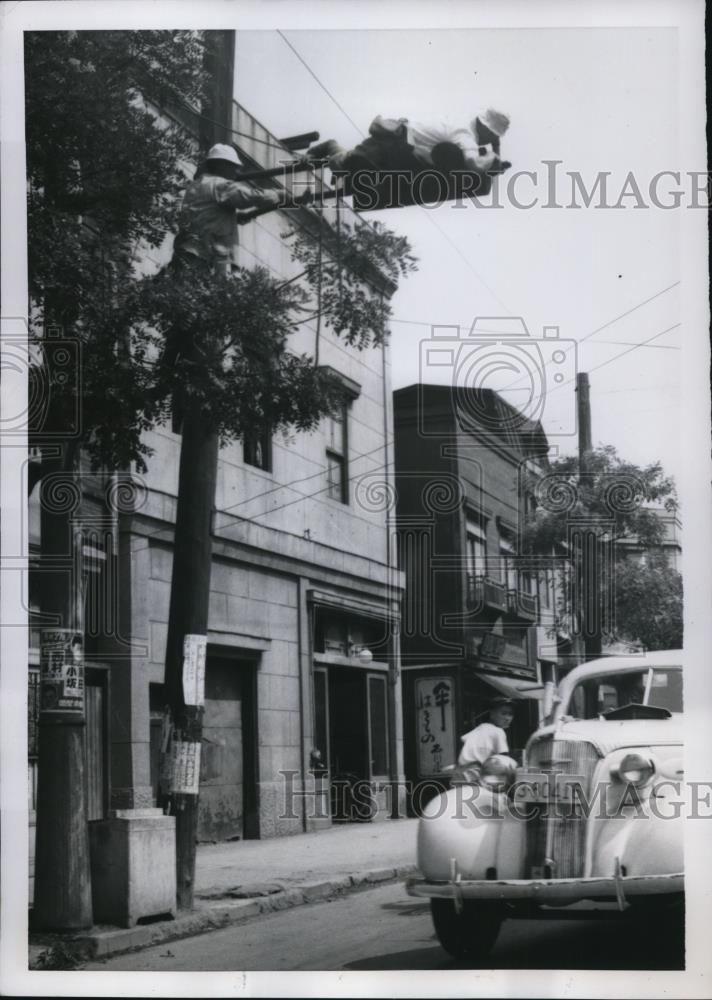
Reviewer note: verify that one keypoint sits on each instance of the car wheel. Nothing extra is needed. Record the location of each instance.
(471, 933)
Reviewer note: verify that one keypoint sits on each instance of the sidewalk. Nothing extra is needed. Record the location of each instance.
(240, 881)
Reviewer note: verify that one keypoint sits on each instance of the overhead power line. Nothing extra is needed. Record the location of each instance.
(326, 90)
(442, 232)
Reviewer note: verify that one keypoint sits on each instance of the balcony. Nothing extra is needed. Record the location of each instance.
(485, 593)
(522, 604)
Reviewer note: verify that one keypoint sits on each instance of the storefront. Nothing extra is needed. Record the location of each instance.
(354, 709)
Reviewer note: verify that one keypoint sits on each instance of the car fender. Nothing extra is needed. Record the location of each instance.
(647, 839)
(470, 831)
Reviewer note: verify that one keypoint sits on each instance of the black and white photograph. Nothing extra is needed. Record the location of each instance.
(355, 531)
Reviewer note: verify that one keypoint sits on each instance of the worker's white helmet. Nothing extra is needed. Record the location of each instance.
(496, 121)
(221, 151)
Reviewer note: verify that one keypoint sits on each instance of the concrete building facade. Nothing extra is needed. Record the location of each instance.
(302, 690)
(304, 593)
(479, 617)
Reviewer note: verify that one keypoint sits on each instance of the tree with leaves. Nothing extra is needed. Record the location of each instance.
(108, 154)
(648, 601)
(611, 499)
(105, 171)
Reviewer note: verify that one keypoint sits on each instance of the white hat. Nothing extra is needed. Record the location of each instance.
(221, 151)
(495, 121)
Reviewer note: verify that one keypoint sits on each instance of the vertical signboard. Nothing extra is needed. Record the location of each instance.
(435, 724)
(61, 675)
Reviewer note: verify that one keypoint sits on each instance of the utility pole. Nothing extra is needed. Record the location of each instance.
(588, 543)
(188, 616)
(583, 402)
(192, 559)
(62, 898)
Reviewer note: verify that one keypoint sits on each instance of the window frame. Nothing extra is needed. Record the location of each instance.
(254, 441)
(337, 455)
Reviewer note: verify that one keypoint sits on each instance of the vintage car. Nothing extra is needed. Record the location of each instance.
(593, 814)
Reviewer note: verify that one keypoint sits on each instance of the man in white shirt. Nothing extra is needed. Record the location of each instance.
(489, 737)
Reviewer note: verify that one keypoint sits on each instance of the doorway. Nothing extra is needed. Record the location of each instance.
(351, 730)
(228, 765)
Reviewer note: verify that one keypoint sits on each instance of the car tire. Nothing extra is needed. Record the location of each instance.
(469, 934)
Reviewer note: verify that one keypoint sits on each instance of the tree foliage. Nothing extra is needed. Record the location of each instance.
(105, 172)
(611, 490)
(615, 499)
(648, 602)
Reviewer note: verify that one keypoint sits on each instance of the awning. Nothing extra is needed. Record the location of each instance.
(513, 687)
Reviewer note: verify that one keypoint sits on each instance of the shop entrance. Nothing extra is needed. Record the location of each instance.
(351, 730)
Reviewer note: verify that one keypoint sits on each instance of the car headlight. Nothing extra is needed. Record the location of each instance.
(636, 769)
(498, 772)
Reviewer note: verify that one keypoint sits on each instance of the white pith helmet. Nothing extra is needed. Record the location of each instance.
(221, 151)
(495, 121)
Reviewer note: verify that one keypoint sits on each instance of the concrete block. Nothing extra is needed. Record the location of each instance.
(229, 578)
(217, 615)
(161, 563)
(282, 692)
(133, 866)
(158, 632)
(272, 588)
(282, 622)
(273, 727)
(282, 658)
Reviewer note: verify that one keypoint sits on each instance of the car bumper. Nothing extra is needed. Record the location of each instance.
(549, 891)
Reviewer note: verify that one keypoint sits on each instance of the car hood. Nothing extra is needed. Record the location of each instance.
(610, 736)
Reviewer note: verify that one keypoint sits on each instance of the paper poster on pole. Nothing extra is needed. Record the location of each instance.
(61, 675)
(194, 650)
(185, 768)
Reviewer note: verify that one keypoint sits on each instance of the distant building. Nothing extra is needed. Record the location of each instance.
(670, 545)
(479, 619)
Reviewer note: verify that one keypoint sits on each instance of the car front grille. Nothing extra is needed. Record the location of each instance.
(556, 830)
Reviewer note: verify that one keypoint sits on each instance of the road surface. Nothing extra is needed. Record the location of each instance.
(384, 929)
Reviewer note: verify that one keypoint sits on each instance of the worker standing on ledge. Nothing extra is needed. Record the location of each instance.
(215, 203)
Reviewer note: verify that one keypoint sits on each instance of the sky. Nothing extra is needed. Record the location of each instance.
(596, 99)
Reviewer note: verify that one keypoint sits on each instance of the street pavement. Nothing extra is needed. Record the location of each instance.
(239, 881)
(384, 929)
(341, 850)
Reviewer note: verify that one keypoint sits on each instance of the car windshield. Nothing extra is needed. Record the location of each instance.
(659, 687)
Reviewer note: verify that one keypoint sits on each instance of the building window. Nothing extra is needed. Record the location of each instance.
(530, 506)
(545, 587)
(337, 484)
(257, 450)
(508, 569)
(476, 551)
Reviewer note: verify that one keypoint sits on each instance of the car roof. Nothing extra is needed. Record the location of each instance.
(670, 658)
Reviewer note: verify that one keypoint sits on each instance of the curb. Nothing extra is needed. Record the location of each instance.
(101, 943)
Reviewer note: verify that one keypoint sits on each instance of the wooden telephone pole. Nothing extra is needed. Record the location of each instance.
(589, 541)
(62, 895)
(192, 553)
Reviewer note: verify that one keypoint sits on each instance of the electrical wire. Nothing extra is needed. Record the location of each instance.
(316, 78)
(616, 343)
(442, 232)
